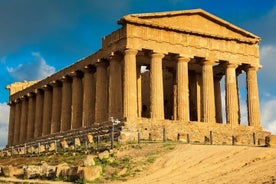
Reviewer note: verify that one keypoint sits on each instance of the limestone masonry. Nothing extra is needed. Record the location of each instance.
(159, 70)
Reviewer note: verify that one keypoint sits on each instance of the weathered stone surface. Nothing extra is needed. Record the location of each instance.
(89, 173)
(64, 144)
(52, 147)
(62, 170)
(87, 161)
(103, 155)
(90, 138)
(9, 171)
(270, 141)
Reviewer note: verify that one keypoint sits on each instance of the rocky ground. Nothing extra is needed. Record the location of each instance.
(171, 163)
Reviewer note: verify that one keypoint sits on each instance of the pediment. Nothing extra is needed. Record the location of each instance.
(195, 21)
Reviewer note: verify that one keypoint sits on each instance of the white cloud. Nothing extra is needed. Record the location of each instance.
(4, 119)
(34, 70)
(268, 115)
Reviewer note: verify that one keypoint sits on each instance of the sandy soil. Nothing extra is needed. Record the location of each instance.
(212, 164)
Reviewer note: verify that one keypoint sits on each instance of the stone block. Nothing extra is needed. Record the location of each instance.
(62, 170)
(64, 144)
(89, 173)
(87, 161)
(103, 155)
(90, 138)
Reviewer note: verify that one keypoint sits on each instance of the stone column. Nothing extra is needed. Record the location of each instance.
(139, 91)
(23, 120)
(11, 123)
(17, 121)
(183, 109)
(88, 114)
(38, 113)
(156, 86)
(253, 103)
(47, 110)
(66, 102)
(77, 99)
(31, 116)
(218, 104)
(231, 95)
(208, 96)
(115, 87)
(101, 106)
(56, 107)
(130, 84)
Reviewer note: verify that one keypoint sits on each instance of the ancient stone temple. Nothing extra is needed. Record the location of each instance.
(159, 70)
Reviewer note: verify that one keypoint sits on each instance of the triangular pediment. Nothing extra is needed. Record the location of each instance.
(195, 21)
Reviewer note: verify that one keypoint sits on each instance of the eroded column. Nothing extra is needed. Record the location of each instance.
(183, 109)
(232, 108)
(139, 91)
(31, 116)
(130, 84)
(253, 103)
(17, 121)
(39, 113)
(11, 123)
(218, 104)
(23, 120)
(47, 110)
(101, 107)
(66, 102)
(56, 106)
(115, 87)
(156, 86)
(88, 115)
(208, 96)
(77, 99)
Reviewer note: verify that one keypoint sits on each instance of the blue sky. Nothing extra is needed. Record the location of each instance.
(39, 37)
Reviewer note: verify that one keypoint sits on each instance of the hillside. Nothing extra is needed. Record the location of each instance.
(212, 164)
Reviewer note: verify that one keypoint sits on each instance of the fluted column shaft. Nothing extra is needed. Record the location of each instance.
(232, 115)
(77, 99)
(253, 103)
(218, 98)
(130, 84)
(115, 88)
(101, 107)
(183, 89)
(11, 123)
(66, 102)
(39, 113)
(156, 86)
(17, 121)
(89, 92)
(31, 116)
(23, 120)
(47, 110)
(56, 107)
(208, 96)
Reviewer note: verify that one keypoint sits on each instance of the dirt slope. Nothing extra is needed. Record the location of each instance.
(212, 164)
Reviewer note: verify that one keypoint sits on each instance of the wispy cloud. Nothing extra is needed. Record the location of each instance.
(268, 115)
(4, 119)
(34, 70)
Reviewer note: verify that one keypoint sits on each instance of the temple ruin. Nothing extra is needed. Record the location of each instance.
(159, 70)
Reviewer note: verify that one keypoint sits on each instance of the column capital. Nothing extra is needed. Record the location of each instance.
(47, 87)
(101, 63)
(183, 59)
(31, 94)
(55, 83)
(66, 79)
(251, 68)
(131, 51)
(116, 57)
(156, 55)
(232, 65)
(207, 61)
(38, 91)
(89, 69)
(77, 73)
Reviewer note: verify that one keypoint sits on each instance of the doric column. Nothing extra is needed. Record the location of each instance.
(77, 98)
(115, 87)
(195, 83)
(101, 106)
(31, 116)
(208, 96)
(17, 121)
(130, 84)
(56, 107)
(253, 103)
(231, 95)
(38, 113)
(183, 109)
(88, 114)
(66, 102)
(139, 91)
(11, 123)
(47, 110)
(23, 120)
(156, 86)
(218, 104)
